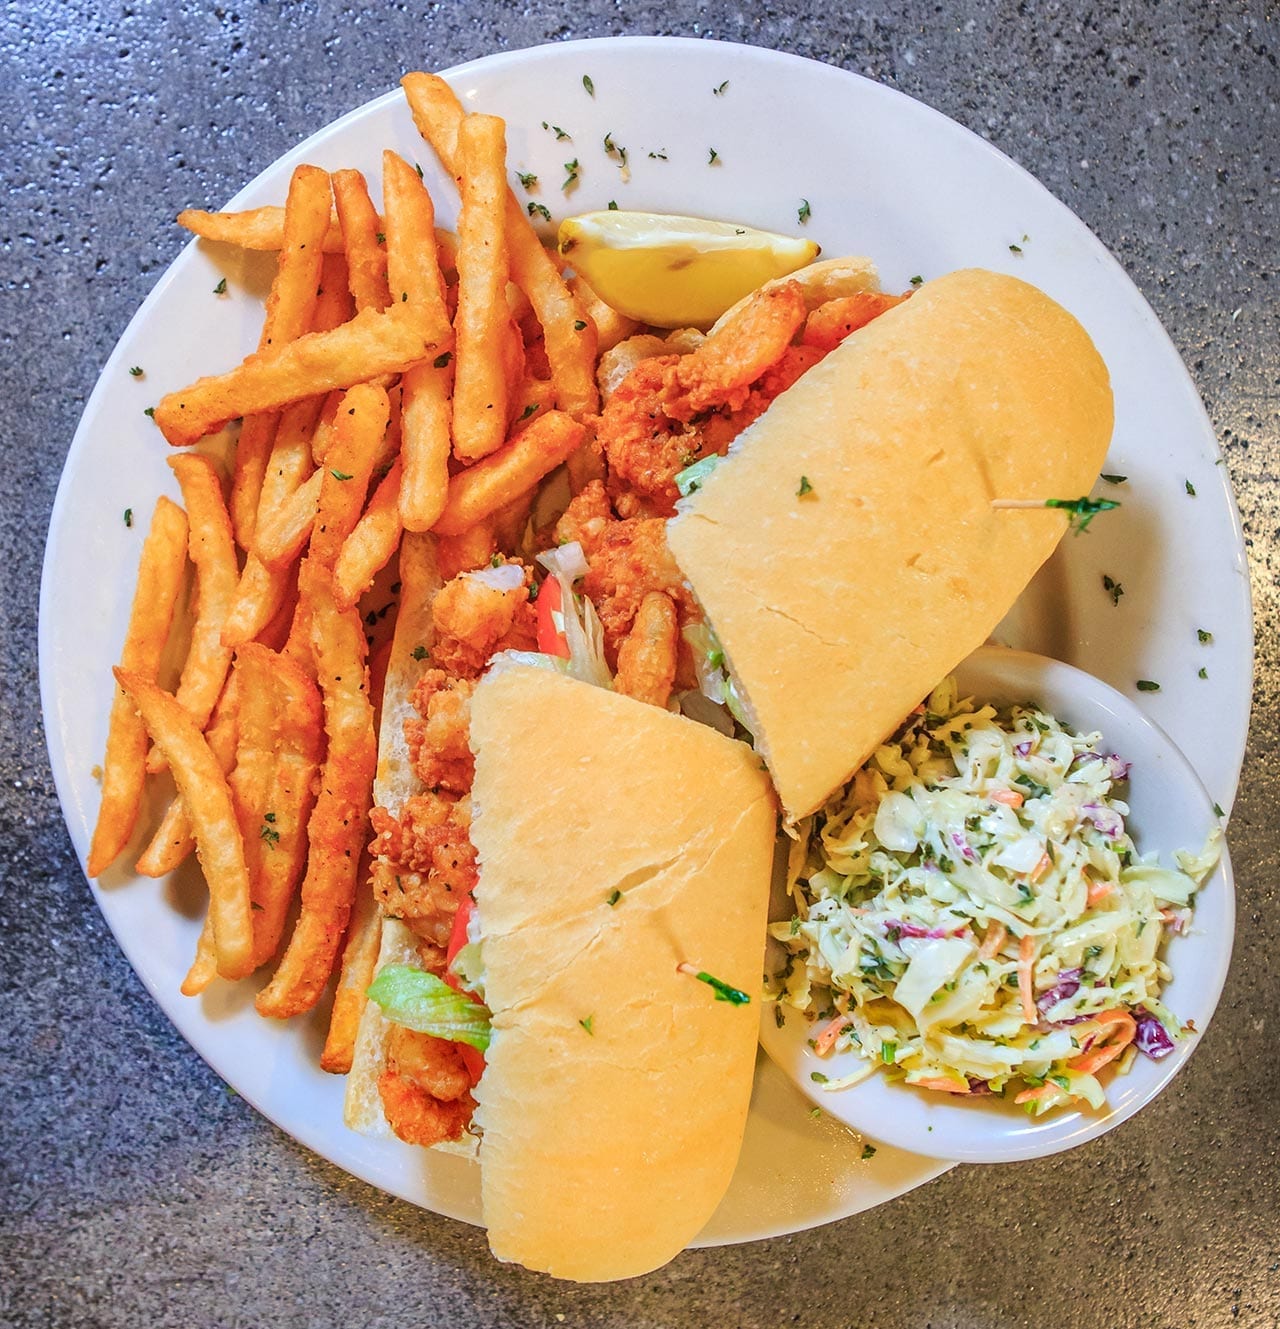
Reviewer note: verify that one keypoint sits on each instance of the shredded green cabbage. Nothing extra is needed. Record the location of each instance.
(915, 887)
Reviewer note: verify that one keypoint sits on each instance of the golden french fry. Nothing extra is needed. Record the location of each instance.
(373, 343)
(212, 550)
(325, 427)
(277, 756)
(334, 305)
(254, 228)
(276, 633)
(160, 574)
(413, 264)
(290, 464)
(338, 827)
(372, 543)
(263, 228)
(284, 534)
(611, 327)
(172, 841)
(570, 335)
(426, 415)
(479, 491)
(204, 968)
(361, 228)
(259, 596)
(204, 789)
(359, 959)
(344, 480)
(482, 326)
(290, 309)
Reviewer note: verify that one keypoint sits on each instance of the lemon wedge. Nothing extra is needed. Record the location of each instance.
(675, 272)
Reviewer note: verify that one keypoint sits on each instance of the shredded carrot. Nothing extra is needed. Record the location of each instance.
(1041, 1091)
(1040, 869)
(826, 1040)
(1125, 1028)
(1009, 797)
(1098, 890)
(997, 935)
(1026, 963)
(943, 1085)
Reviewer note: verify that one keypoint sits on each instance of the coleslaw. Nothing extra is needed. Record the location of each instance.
(972, 916)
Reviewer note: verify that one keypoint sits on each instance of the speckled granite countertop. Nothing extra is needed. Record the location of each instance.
(133, 1188)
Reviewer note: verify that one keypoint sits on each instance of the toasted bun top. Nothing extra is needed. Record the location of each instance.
(606, 1149)
(839, 609)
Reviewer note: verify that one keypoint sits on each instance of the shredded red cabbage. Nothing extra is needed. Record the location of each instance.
(1152, 1037)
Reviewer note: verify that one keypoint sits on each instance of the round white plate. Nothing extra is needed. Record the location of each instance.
(1169, 810)
(883, 176)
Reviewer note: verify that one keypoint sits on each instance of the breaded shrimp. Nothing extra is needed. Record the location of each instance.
(647, 657)
(474, 619)
(438, 741)
(425, 1088)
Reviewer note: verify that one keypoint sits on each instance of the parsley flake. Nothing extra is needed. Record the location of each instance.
(579, 324)
(528, 411)
(612, 205)
(587, 1023)
(1191, 489)
(340, 475)
(659, 156)
(713, 158)
(587, 83)
(128, 516)
(527, 179)
(382, 240)
(868, 1151)
(221, 287)
(418, 168)
(1114, 479)
(817, 1077)
(805, 487)
(1112, 588)
(1015, 249)
(723, 990)
(1217, 810)
(571, 174)
(539, 210)
(1203, 637)
(1202, 672)
(917, 280)
(719, 91)
(268, 834)
(442, 360)
(150, 412)
(136, 371)
(613, 897)
(420, 652)
(803, 212)
(1146, 685)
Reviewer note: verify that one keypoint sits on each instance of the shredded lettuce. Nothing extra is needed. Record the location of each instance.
(428, 1005)
(692, 478)
(581, 625)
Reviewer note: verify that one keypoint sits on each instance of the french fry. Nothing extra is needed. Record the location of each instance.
(212, 550)
(172, 842)
(570, 335)
(482, 326)
(204, 968)
(259, 595)
(373, 541)
(338, 827)
(611, 326)
(413, 268)
(361, 228)
(284, 535)
(479, 491)
(359, 959)
(289, 465)
(160, 576)
(334, 305)
(373, 343)
(326, 426)
(204, 789)
(361, 423)
(289, 313)
(254, 228)
(277, 756)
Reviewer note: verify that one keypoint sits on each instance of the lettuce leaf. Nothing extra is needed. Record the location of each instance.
(428, 1005)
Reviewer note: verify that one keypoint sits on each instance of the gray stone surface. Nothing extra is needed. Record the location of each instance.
(133, 1188)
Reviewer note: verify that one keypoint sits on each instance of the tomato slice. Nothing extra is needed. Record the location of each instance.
(458, 937)
(551, 638)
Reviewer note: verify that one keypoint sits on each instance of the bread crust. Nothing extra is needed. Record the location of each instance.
(616, 1089)
(839, 607)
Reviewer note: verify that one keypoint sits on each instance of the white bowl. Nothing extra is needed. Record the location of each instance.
(1170, 810)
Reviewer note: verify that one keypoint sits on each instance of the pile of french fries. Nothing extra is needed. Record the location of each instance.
(406, 380)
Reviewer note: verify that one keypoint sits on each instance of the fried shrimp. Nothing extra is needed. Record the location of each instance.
(647, 658)
(474, 618)
(425, 1088)
(438, 741)
(672, 409)
(833, 321)
(425, 863)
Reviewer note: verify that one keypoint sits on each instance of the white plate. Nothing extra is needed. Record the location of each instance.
(1169, 810)
(883, 176)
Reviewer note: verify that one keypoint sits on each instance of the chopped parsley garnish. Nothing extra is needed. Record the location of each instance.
(817, 1077)
(496, 560)
(150, 412)
(1202, 672)
(586, 1024)
(719, 90)
(612, 205)
(805, 487)
(268, 833)
(528, 411)
(613, 897)
(611, 149)
(128, 516)
(803, 212)
(221, 287)
(1203, 637)
(417, 167)
(420, 652)
(539, 210)
(340, 475)
(1112, 588)
(868, 1150)
(713, 158)
(723, 991)
(579, 324)
(1191, 489)
(917, 280)
(136, 371)
(441, 360)
(660, 156)
(1146, 685)
(382, 240)
(527, 179)
(587, 83)
(1015, 249)
(1217, 811)
(570, 174)
(560, 134)
(1081, 511)
(1114, 479)
(888, 1053)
